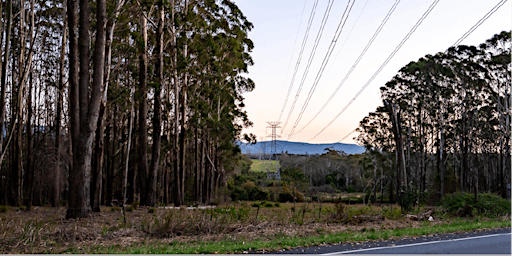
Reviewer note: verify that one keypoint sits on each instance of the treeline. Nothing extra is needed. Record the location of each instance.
(445, 123)
(113, 102)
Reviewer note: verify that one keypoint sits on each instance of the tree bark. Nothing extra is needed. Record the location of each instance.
(157, 124)
(8, 9)
(88, 111)
(143, 112)
(177, 171)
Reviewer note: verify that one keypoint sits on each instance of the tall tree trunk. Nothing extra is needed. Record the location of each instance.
(29, 172)
(177, 175)
(8, 9)
(397, 132)
(88, 111)
(126, 166)
(97, 162)
(183, 131)
(155, 156)
(143, 112)
(56, 178)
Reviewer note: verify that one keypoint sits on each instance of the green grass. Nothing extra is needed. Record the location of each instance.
(262, 165)
(282, 241)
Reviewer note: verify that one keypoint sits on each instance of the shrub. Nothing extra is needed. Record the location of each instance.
(267, 204)
(129, 209)
(285, 197)
(114, 209)
(248, 186)
(487, 204)
(4, 208)
(258, 194)
(151, 210)
(411, 197)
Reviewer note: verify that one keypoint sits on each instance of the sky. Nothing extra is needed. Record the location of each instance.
(278, 33)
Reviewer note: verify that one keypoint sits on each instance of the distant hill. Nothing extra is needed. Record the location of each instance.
(300, 148)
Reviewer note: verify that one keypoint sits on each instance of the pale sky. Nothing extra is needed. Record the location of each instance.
(275, 54)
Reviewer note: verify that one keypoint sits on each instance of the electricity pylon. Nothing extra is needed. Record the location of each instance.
(273, 150)
(273, 136)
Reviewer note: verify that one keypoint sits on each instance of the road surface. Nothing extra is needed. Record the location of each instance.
(496, 241)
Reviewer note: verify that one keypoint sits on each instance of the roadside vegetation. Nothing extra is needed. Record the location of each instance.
(243, 226)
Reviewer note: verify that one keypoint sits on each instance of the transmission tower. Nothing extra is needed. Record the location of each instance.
(273, 151)
(273, 136)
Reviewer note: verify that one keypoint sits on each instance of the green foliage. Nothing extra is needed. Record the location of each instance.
(487, 204)
(151, 210)
(245, 164)
(115, 209)
(411, 197)
(4, 208)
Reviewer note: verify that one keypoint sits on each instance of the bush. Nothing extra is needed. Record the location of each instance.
(285, 197)
(487, 204)
(258, 194)
(267, 204)
(248, 186)
(151, 210)
(4, 208)
(411, 197)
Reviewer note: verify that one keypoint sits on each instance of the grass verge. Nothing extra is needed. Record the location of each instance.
(278, 242)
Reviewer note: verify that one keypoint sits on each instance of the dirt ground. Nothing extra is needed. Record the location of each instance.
(45, 229)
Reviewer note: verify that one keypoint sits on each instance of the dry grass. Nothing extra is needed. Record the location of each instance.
(45, 230)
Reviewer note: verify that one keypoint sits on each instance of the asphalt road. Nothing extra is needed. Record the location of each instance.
(496, 241)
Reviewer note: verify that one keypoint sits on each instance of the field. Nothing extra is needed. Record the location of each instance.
(233, 228)
(263, 165)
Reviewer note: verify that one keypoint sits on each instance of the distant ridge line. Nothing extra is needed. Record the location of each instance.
(301, 147)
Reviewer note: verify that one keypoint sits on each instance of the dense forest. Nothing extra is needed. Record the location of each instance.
(113, 102)
(445, 123)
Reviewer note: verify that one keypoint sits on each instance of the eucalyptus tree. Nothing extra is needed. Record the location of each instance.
(454, 110)
(84, 105)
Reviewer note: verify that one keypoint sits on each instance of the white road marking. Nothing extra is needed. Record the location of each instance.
(407, 245)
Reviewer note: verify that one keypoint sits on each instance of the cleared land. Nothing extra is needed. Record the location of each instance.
(263, 165)
(237, 227)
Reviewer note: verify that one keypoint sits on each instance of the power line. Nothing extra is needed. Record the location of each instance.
(319, 74)
(418, 23)
(304, 41)
(486, 16)
(310, 60)
(471, 30)
(295, 43)
(347, 135)
(348, 36)
(361, 55)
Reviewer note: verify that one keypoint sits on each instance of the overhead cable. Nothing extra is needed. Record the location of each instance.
(486, 16)
(323, 65)
(361, 55)
(310, 60)
(418, 23)
(299, 58)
